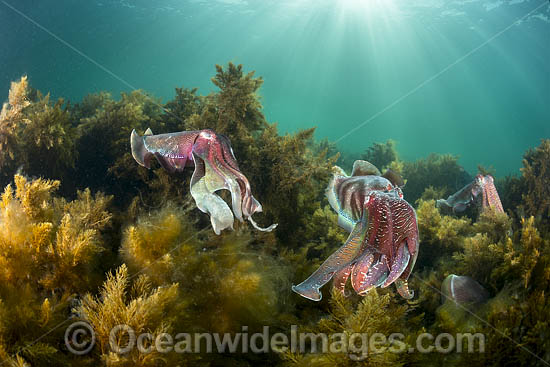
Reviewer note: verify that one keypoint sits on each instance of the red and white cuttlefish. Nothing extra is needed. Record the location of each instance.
(383, 243)
(216, 168)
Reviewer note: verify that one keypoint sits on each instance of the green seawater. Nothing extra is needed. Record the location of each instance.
(470, 78)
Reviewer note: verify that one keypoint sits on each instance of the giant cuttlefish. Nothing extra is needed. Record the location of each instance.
(383, 243)
(216, 168)
(469, 194)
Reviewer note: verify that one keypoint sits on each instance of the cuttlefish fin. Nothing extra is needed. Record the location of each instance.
(394, 178)
(139, 152)
(345, 217)
(364, 168)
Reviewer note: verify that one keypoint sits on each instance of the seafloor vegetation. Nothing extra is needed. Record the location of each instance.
(88, 234)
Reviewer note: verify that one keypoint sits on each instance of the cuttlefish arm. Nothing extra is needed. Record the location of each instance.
(216, 169)
(337, 264)
(406, 242)
(490, 198)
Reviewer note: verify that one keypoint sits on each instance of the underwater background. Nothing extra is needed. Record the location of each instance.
(334, 64)
(436, 91)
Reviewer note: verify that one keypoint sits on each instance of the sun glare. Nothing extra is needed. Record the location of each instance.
(365, 4)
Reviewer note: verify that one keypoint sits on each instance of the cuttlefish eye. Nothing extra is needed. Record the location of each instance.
(480, 179)
(389, 187)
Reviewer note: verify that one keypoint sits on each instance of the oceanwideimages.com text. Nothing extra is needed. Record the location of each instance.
(80, 339)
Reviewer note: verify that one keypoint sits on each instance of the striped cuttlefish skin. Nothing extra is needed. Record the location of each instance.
(216, 169)
(383, 243)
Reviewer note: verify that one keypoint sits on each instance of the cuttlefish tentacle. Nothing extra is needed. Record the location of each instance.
(360, 271)
(401, 282)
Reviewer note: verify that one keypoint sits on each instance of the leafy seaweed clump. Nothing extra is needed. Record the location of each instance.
(440, 171)
(528, 194)
(536, 174)
(186, 104)
(224, 282)
(49, 249)
(381, 154)
(35, 135)
(350, 334)
(138, 306)
(440, 235)
(517, 316)
(285, 169)
(511, 263)
(11, 117)
(104, 161)
(235, 111)
(48, 138)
